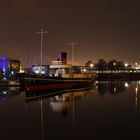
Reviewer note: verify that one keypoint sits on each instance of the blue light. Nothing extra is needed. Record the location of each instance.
(3, 69)
(3, 63)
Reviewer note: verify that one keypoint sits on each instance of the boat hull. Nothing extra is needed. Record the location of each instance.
(36, 84)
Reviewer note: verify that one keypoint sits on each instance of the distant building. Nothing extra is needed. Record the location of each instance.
(15, 65)
(9, 66)
(37, 68)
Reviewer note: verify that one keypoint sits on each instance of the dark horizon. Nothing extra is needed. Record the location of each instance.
(103, 29)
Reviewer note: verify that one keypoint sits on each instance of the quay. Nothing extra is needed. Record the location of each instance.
(118, 75)
(4, 83)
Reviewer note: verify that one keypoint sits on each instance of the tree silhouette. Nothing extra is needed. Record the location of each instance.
(101, 65)
(88, 63)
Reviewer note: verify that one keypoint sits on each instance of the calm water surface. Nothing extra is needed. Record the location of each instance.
(110, 110)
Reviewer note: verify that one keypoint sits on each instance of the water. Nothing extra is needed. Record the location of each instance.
(110, 110)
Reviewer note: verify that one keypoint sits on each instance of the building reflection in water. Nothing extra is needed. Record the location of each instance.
(120, 87)
(9, 92)
(113, 87)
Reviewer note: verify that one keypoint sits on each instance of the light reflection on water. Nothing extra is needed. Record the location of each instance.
(109, 109)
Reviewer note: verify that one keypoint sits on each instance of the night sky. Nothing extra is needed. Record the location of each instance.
(108, 29)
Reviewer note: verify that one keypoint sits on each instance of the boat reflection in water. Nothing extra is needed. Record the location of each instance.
(59, 101)
(37, 95)
(108, 105)
(9, 92)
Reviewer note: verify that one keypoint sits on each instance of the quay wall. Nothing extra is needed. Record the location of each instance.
(118, 76)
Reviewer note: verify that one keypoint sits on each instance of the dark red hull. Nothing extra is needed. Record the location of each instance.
(54, 84)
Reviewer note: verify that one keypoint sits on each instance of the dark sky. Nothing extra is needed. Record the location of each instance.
(102, 28)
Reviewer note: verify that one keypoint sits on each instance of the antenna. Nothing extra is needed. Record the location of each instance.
(41, 32)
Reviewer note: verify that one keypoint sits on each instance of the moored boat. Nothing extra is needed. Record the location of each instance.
(60, 76)
(69, 81)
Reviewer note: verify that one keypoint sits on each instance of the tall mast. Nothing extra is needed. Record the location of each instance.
(72, 51)
(41, 32)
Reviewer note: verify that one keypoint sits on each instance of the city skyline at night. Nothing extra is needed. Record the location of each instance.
(101, 28)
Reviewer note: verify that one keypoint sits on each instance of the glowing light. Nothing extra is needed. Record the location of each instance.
(91, 65)
(38, 69)
(115, 90)
(12, 72)
(114, 64)
(84, 70)
(4, 92)
(126, 64)
(136, 98)
(126, 84)
(21, 71)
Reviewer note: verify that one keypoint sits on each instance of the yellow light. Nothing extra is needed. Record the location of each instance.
(91, 65)
(114, 63)
(84, 70)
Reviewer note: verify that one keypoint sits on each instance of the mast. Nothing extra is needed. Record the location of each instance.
(41, 32)
(72, 51)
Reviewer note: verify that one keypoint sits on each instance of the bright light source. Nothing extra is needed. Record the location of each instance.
(126, 64)
(91, 65)
(84, 70)
(126, 84)
(4, 92)
(12, 72)
(21, 71)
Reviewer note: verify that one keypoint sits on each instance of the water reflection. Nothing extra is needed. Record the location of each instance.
(109, 108)
(136, 95)
(130, 88)
(61, 103)
(8, 92)
(88, 108)
(114, 87)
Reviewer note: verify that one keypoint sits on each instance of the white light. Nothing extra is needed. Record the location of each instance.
(42, 72)
(126, 64)
(126, 84)
(137, 67)
(4, 92)
(91, 65)
(36, 71)
(12, 72)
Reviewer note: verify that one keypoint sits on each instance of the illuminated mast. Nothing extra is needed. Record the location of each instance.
(41, 32)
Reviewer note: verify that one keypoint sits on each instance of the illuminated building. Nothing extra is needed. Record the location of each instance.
(36, 69)
(9, 66)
